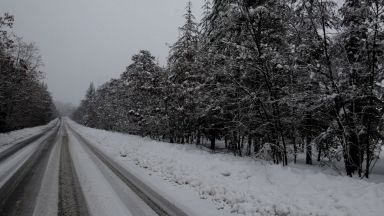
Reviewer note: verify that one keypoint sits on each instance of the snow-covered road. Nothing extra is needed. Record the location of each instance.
(21, 172)
(60, 173)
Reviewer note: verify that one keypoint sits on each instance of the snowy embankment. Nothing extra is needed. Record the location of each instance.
(240, 185)
(19, 135)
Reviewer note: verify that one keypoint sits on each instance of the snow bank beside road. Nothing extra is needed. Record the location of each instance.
(241, 185)
(18, 135)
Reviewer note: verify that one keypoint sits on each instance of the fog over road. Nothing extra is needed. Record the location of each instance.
(58, 172)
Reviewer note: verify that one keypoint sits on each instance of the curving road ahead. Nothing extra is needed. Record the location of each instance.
(59, 172)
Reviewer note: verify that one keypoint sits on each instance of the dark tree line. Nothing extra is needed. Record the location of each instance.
(24, 99)
(281, 77)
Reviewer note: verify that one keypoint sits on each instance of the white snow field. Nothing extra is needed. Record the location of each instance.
(220, 184)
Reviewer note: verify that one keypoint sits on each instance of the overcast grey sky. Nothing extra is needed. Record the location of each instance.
(93, 40)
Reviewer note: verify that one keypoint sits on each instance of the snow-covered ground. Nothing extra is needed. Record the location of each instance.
(19, 135)
(236, 185)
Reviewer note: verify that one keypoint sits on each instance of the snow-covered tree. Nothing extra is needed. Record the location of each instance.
(182, 80)
(283, 77)
(362, 42)
(24, 99)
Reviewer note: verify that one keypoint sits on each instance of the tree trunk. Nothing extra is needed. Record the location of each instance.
(213, 141)
(308, 152)
(294, 152)
(351, 156)
(285, 153)
(368, 152)
(249, 146)
(256, 145)
(198, 137)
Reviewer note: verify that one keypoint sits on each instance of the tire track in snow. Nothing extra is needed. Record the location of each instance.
(71, 199)
(19, 192)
